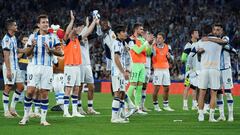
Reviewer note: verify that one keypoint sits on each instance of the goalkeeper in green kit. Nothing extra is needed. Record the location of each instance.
(139, 47)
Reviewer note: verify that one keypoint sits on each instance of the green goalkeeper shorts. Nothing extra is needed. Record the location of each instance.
(137, 72)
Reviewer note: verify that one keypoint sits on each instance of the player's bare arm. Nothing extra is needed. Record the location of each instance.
(90, 28)
(69, 27)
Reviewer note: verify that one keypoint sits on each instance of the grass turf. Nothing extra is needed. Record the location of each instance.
(152, 124)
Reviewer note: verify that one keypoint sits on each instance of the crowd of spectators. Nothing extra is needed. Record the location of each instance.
(173, 17)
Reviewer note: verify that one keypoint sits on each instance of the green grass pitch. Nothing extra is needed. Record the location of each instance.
(152, 124)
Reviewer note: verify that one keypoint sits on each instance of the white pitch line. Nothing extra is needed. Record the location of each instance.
(108, 115)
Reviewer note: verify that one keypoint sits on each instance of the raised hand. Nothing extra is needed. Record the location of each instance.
(87, 21)
(71, 15)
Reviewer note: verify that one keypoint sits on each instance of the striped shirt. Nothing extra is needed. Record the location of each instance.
(40, 55)
(9, 43)
(192, 60)
(225, 56)
(120, 49)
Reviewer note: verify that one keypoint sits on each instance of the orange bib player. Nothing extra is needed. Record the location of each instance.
(72, 62)
(161, 56)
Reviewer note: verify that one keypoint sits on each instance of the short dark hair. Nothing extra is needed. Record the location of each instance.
(161, 34)
(23, 35)
(207, 30)
(137, 25)
(41, 17)
(35, 27)
(79, 22)
(218, 25)
(9, 22)
(120, 28)
(192, 31)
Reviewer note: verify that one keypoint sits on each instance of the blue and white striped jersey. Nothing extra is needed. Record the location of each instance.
(9, 43)
(119, 47)
(40, 55)
(225, 56)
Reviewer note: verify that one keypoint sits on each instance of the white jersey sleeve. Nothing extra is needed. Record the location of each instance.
(30, 39)
(6, 42)
(226, 39)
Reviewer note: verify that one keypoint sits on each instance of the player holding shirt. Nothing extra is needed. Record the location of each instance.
(72, 62)
(86, 70)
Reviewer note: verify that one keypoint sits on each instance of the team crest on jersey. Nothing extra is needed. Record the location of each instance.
(229, 80)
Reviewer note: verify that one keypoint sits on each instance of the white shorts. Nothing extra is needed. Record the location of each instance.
(147, 75)
(58, 82)
(40, 76)
(226, 78)
(24, 75)
(72, 76)
(161, 77)
(16, 76)
(194, 78)
(209, 78)
(86, 74)
(118, 83)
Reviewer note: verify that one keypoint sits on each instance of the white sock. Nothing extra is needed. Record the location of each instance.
(37, 105)
(229, 101)
(15, 99)
(185, 102)
(206, 107)
(5, 98)
(66, 104)
(129, 102)
(90, 104)
(194, 103)
(211, 115)
(200, 112)
(44, 109)
(122, 108)
(27, 106)
(74, 103)
(115, 108)
(220, 104)
(165, 103)
(155, 104)
(60, 100)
